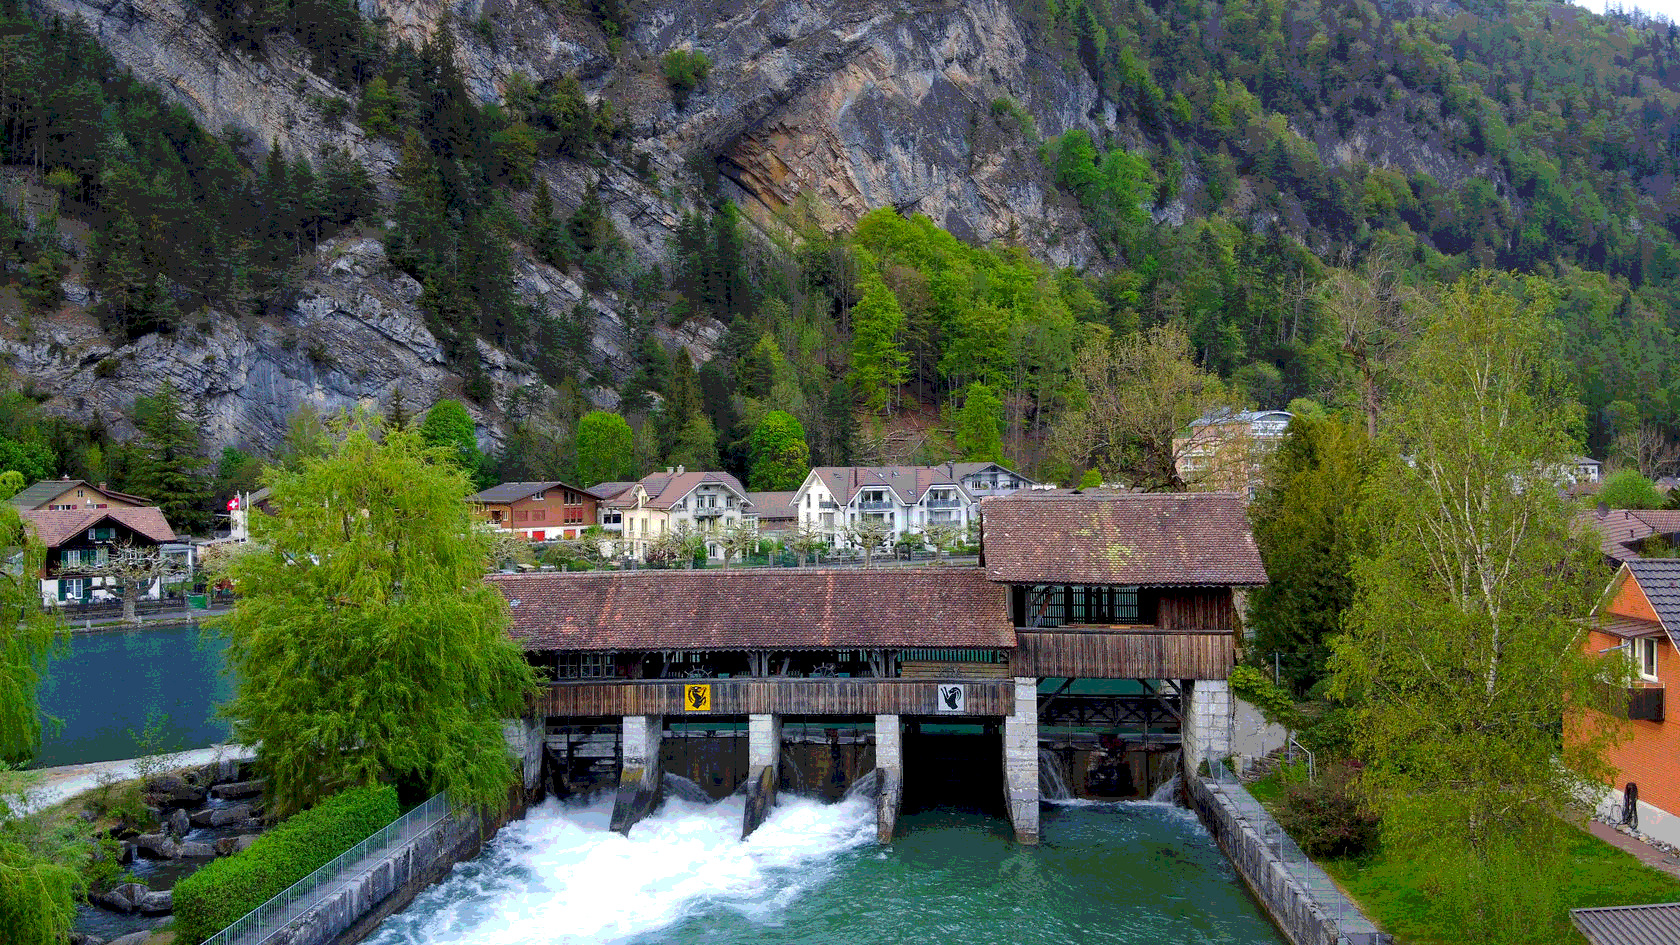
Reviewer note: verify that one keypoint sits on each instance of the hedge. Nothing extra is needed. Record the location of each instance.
(223, 891)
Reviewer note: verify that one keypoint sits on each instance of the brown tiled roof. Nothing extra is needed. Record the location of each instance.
(773, 506)
(1144, 538)
(1622, 530)
(751, 608)
(666, 489)
(56, 528)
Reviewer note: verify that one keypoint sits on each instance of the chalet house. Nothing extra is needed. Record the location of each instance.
(80, 543)
(656, 505)
(1585, 469)
(61, 495)
(537, 511)
(907, 498)
(1628, 534)
(1640, 616)
(1227, 451)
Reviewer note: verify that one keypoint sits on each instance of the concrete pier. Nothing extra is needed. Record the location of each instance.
(889, 761)
(764, 762)
(1020, 761)
(1207, 722)
(639, 781)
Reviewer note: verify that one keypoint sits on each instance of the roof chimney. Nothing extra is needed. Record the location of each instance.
(102, 487)
(669, 470)
(679, 470)
(1603, 509)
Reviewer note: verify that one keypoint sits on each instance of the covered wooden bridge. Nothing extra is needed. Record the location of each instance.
(1131, 586)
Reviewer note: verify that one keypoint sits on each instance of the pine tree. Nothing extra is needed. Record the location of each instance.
(169, 468)
(979, 435)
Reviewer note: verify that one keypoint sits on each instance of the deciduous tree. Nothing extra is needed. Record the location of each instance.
(780, 456)
(879, 363)
(605, 448)
(367, 646)
(979, 436)
(1465, 646)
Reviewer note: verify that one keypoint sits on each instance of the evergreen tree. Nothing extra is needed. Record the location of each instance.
(780, 457)
(695, 446)
(1304, 525)
(171, 460)
(879, 363)
(979, 436)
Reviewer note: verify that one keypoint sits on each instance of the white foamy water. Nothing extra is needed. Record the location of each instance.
(560, 877)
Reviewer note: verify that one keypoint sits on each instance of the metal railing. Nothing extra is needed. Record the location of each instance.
(1312, 762)
(258, 925)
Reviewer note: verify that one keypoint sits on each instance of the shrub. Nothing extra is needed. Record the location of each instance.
(1324, 817)
(685, 71)
(1274, 702)
(224, 890)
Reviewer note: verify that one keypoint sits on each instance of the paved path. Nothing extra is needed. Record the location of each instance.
(45, 787)
(1642, 851)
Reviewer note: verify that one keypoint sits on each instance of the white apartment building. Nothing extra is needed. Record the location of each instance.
(638, 513)
(908, 498)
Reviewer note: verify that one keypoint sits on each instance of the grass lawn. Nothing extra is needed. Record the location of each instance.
(1392, 892)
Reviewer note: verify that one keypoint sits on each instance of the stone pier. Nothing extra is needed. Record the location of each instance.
(889, 762)
(639, 782)
(1207, 722)
(764, 763)
(1020, 761)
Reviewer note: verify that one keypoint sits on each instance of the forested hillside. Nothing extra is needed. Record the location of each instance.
(614, 205)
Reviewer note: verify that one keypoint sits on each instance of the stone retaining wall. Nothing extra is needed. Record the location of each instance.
(1296, 893)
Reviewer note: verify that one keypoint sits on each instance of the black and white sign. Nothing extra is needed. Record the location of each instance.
(953, 697)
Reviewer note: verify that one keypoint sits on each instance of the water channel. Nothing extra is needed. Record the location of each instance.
(105, 685)
(1128, 872)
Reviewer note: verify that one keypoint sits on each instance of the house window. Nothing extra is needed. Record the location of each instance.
(539, 515)
(1647, 649)
(522, 516)
(584, 666)
(72, 588)
(102, 534)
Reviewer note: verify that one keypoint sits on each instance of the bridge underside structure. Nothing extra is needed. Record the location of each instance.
(1003, 647)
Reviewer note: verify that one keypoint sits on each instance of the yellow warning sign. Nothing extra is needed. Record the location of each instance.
(697, 698)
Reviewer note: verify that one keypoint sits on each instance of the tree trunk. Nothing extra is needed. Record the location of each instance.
(131, 601)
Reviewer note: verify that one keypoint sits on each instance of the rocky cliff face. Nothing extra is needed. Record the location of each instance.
(859, 105)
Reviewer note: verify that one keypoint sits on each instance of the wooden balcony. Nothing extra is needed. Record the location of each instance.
(985, 697)
(1128, 652)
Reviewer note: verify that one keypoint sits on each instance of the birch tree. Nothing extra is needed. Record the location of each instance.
(1464, 647)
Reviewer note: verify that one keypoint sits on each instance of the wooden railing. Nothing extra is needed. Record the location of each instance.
(982, 697)
(1124, 653)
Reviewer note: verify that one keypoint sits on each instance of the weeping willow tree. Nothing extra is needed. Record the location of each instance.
(37, 893)
(1464, 645)
(368, 647)
(27, 631)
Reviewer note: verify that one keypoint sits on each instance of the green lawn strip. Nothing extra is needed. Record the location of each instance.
(1393, 892)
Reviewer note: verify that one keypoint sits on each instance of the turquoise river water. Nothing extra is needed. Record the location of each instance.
(98, 695)
(1130, 872)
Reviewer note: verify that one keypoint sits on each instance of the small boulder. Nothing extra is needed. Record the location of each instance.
(155, 902)
(157, 846)
(134, 938)
(228, 846)
(82, 938)
(170, 790)
(179, 822)
(126, 855)
(112, 901)
(221, 816)
(196, 850)
(238, 790)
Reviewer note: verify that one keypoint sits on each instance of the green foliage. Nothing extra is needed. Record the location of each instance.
(780, 456)
(605, 448)
(448, 427)
(25, 643)
(979, 433)
(37, 896)
(170, 470)
(1304, 524)
(1006, 108)
(1325, 816)
(878, 360)
(220, 892)
(1627, 489)
(685, 70)
(1463, 645)
(368, 649)
(1092, 479)
(1256, 688)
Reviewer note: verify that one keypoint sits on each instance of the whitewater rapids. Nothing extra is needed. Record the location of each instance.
(560, 877)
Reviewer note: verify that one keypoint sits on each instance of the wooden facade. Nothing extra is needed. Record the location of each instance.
(984, 697)
(1124, 653)
(1197, 610)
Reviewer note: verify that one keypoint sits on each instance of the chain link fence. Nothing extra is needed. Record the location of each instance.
(262, 922)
